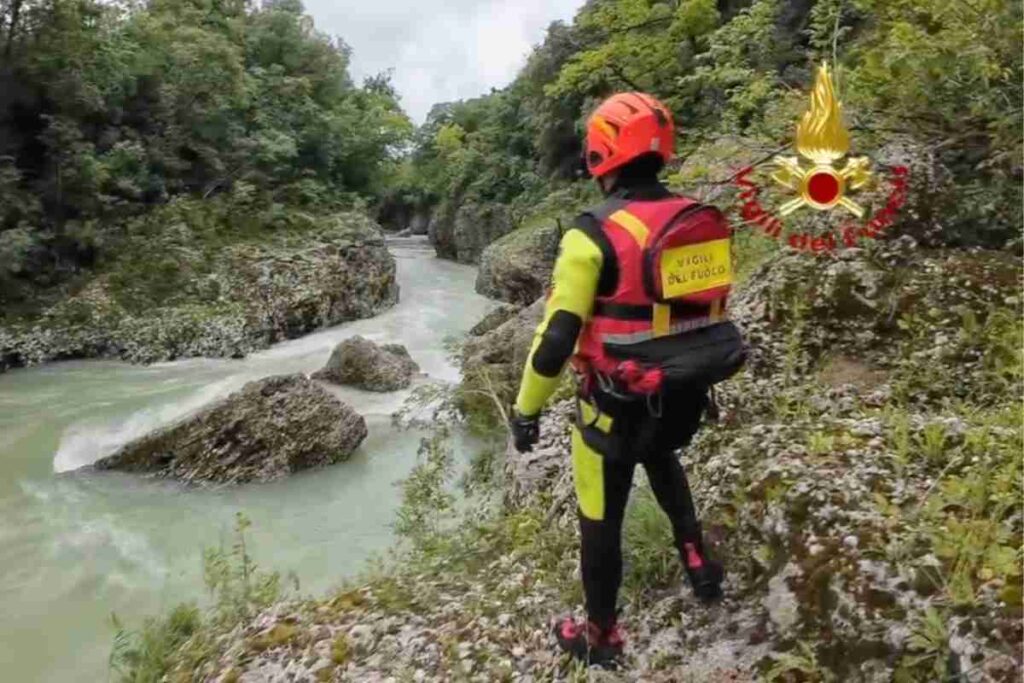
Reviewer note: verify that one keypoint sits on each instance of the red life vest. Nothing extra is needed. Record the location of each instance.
(674, 276)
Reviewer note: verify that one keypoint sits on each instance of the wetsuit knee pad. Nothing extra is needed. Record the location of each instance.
(557, 343)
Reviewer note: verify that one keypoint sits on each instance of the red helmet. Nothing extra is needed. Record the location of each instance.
(624, 127)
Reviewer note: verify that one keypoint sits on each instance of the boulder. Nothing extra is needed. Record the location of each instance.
(517, 267)
(461, 232)
(269, 429)
(361, 363)
(420, 221)
(494, 319)
(494, 361)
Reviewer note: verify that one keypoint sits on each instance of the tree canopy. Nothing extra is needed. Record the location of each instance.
(946, 74)
(108, 108)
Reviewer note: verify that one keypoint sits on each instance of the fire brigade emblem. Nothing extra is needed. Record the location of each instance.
(821, 139)
(821, 180)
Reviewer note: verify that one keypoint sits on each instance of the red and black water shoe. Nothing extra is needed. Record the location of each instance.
(588, 642)
(705, 575)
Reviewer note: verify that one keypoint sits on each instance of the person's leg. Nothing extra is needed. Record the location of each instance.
(603, 480)
(680, 420)
(602, 488)
(672, 491)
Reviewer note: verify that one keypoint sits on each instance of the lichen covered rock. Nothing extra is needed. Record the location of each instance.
(462, 232)
(494, 361)
(494, 319)
(269, 429)
(517, 267)
(252, 296)
(854, 299)
(361, 363)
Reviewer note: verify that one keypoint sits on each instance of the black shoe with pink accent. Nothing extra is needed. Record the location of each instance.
(705, 575)
(588, 642)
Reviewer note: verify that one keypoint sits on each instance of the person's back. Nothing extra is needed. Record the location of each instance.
(638, 301)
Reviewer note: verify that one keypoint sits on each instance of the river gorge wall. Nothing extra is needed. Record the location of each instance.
(223, 300)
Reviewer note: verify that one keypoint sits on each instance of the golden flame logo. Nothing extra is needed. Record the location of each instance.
(820, 135)
(822, 139)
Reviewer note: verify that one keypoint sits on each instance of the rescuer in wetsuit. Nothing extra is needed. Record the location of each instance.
(629, 138)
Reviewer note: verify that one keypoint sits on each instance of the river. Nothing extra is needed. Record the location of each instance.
(76, 546)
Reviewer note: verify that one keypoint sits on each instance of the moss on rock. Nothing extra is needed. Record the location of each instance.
(267, 430)
(196, 291)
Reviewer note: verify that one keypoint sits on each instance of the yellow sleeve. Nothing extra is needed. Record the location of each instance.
(576, 275)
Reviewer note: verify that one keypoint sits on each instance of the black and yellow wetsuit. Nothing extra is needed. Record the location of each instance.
(585, 268)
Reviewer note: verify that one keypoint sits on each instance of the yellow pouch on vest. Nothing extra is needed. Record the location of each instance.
(695, 268)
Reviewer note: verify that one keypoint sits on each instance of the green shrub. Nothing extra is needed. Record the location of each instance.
(181, 640)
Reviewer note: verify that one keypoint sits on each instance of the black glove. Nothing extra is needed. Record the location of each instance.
(525, 431)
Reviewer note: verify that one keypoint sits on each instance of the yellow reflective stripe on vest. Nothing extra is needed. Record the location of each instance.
(716, 310)
(662, 315)
(633, 225)
(687, 325)
(661, 321)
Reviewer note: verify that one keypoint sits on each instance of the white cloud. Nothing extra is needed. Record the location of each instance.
(440, 50)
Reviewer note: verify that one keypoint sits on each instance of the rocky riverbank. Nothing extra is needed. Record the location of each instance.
(187, 293)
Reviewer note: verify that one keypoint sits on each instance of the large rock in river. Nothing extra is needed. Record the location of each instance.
(269, 429)
(361, 363)
(517, 267)
(462, 232)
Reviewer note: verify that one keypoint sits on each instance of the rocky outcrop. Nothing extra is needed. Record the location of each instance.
(856, 302)
(462, 232)
(419, 222)
(494, 319)
(269, 429)
(493, 362)
(517, 267)
(254, 295)
(361, 363)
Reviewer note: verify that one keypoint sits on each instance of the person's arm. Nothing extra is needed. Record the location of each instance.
(575, 281)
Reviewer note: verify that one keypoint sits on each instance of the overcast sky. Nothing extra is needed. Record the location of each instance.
(440, 50)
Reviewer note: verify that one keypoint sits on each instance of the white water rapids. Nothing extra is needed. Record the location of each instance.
(76, 546)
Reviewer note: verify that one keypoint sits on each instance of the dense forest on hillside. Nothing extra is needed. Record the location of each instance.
(182, 178)
(941, 79)
(109, 110)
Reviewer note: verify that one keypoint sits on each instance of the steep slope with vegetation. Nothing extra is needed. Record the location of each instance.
(150, 153)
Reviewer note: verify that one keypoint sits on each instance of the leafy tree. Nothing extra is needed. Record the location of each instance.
(111, 108)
